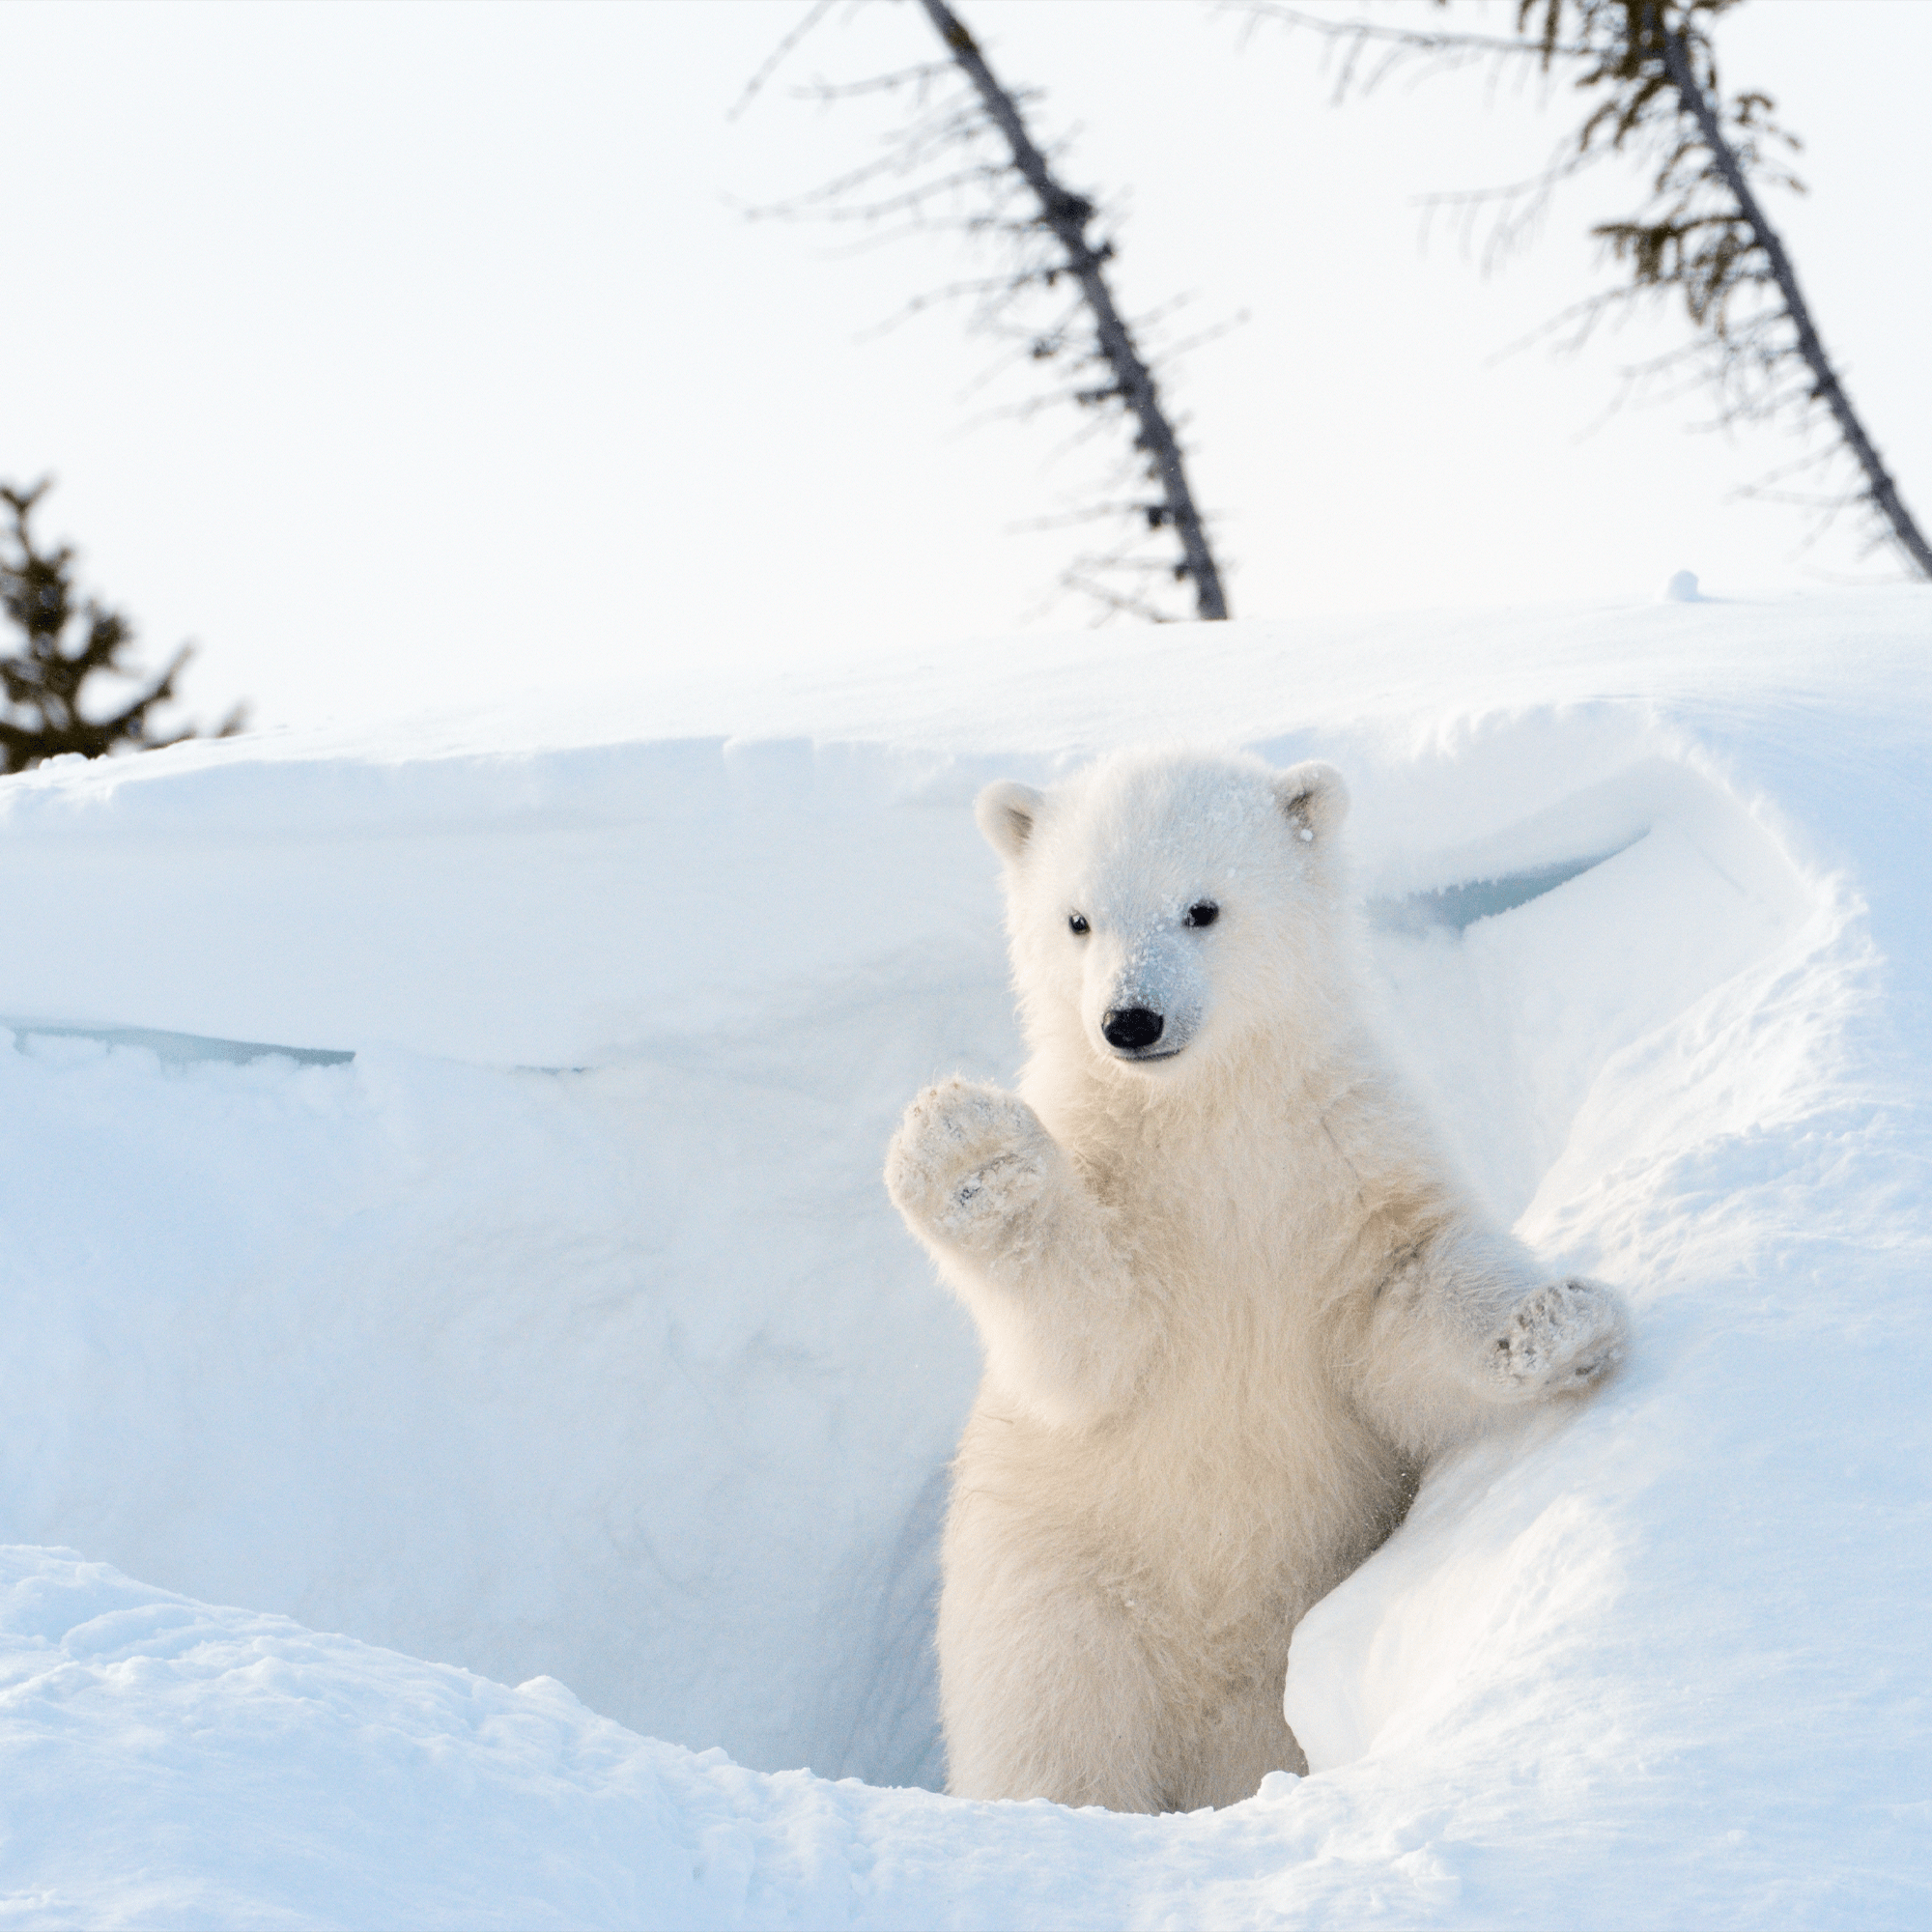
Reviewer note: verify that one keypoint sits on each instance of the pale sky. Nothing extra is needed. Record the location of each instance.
(411, 354)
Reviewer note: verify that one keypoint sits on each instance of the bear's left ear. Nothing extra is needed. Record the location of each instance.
(1312, 799)
(1007, 811)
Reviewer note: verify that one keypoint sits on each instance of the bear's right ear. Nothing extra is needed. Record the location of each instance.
(1313, 798)
(1006, 813)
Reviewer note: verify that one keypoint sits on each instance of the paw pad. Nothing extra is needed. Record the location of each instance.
(966, 1160)
(1562, 1337)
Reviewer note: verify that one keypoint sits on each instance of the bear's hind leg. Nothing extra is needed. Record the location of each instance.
(1054, 1700)
(1234, 1749)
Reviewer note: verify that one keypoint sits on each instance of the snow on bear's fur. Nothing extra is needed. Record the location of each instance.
(1230, 1296)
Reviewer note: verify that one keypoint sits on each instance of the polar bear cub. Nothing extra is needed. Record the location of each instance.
(1231, 1298)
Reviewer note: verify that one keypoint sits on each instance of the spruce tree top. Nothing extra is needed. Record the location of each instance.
(63, 643)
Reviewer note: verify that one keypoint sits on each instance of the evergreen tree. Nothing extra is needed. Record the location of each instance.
(64, 642)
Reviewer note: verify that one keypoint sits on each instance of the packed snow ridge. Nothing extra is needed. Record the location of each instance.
(562, 1336)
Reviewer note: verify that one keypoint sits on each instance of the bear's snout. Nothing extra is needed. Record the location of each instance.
(1132, 1029)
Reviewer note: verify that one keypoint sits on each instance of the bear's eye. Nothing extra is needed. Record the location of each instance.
(1077, 922)
(1203, 912)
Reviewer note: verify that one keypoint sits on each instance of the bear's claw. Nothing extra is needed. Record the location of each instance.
(967, 1159)
(1566, 1335)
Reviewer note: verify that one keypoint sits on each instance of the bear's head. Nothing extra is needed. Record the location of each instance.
(1170, 908)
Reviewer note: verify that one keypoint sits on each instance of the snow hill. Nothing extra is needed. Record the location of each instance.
(440, 1176)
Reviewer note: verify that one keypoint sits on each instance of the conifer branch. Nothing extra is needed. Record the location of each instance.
(1880, 489)
(1649, 71)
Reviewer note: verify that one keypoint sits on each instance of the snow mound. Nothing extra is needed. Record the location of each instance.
(546, 1318)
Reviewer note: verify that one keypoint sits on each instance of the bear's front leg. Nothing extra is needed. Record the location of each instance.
(1021, 1239)
(1461, 1327)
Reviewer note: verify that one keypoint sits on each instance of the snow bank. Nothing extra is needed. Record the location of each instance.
(563, 1333)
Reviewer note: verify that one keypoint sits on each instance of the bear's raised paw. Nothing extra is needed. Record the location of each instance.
(1565, 1336)
(967, 1160)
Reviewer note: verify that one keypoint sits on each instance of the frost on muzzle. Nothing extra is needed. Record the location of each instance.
(1155, 996)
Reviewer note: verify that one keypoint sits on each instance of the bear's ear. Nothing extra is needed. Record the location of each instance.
(1006, 813)
(1313, 798)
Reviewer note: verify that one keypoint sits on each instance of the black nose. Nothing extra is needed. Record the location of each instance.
(1131, 1028)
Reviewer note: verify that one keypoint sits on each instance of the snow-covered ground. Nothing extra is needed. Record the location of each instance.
(562, 1336)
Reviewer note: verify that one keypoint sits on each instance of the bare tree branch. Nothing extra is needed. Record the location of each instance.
(1826, 388)
(1068, 215)
(966, 160)
(777, 58)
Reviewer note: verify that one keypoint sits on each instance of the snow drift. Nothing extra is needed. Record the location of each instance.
(544, 1317)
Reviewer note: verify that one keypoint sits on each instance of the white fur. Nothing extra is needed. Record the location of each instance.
(1231, 1300)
